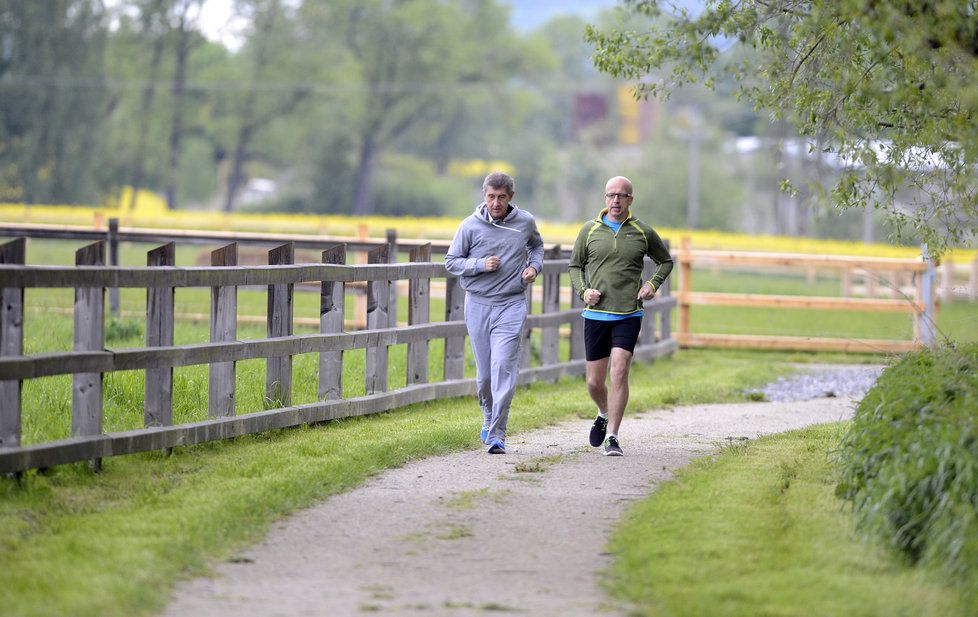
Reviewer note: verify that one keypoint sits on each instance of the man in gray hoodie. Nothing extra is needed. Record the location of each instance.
(496, 253)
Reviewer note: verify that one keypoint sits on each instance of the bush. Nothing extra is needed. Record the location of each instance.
(407, 186)
(910, 461)
(117, 330)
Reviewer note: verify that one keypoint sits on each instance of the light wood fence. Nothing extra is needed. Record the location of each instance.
(90, 360)
(920, 305)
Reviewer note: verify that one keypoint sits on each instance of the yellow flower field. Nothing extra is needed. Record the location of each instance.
(151, 212)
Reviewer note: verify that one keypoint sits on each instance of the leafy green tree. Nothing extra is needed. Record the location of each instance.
(185, 16)
(268, 58)
(135, 54)
(53, 99)
(409, 59)
(885, 87)
(168, 80)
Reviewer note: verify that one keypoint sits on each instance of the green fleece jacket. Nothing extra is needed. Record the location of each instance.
(612, 263)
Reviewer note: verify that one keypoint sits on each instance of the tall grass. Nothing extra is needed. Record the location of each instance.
(910, 461)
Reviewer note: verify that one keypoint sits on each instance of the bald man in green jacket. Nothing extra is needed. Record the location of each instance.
(606, 273)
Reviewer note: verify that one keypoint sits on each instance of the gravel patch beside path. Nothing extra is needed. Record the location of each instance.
(823, 380)
(474, 534)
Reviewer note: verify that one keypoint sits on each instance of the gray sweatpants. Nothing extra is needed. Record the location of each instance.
(494, 331)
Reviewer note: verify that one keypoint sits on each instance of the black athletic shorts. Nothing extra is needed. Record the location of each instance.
(601, 336)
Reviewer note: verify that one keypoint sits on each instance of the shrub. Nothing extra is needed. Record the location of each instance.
(910, 461)
(118, 330)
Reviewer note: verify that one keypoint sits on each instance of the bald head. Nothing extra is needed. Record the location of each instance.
(623, 184)
(618, 198)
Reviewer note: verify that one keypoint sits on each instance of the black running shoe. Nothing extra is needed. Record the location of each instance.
(598, 430)
(611, 447)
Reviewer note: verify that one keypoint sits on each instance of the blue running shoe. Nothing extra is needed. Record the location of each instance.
(497, 447)
(484, 434)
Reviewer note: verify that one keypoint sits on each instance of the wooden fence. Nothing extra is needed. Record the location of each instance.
(90, 360)
(921, 305)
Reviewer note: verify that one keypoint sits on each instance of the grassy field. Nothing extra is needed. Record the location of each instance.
(114, 543)
(758, 530)
(958, 320)
(49, 327)
(151, 212)
(73, 543)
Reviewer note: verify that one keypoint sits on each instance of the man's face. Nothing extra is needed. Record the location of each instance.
(497, 199)
(617, 204)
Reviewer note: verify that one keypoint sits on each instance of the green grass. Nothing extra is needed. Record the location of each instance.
(909, 462)
(758, 531)
(74, 543)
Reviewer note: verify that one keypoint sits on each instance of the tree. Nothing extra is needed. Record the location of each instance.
(410, 57)
(185, 15)
(152, 29)
(887, 88)
(266, 53)
(53, 99)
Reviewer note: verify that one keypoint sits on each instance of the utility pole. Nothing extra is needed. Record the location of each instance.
(693, 177)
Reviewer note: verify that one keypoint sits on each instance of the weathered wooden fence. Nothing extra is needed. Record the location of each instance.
(90, 360)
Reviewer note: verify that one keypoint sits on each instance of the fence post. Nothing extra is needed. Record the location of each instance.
(973, 280)
(419, 312)
(665, 315)
(454, 345)
(11, 344)
(331, 308)
(947, 280)
(576, 328)
(925, 320)
(224, 327)
(378, 296)
(685, 284)
(550, 335)
(392, 290)
(526, 340)
(158, 406)
(360, 300)
(113, 236)
(647, 332)
(86, 391)
(278, 369)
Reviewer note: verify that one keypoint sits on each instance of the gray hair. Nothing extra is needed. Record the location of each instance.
(499, 180)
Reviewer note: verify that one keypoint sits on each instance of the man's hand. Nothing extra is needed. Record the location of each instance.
(492, 263)
(529, 275)
(646, 292)
(591, 296)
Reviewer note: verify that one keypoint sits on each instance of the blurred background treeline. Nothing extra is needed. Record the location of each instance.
(385, 107)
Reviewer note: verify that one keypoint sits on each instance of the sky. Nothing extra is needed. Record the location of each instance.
(527, 15)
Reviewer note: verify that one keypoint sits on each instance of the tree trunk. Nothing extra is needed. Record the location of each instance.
(363, 190)
(145, 110)
(176, 128)
(236, 177)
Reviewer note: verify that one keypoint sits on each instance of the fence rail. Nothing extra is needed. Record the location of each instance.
(921, 306)
(90, 360)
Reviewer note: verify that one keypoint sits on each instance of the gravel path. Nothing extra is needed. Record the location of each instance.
(817, 381)
(470, 533)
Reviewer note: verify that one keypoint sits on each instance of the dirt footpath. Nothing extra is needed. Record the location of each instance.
(474, 534)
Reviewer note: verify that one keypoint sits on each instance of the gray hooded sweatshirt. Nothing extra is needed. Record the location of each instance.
(515, 240)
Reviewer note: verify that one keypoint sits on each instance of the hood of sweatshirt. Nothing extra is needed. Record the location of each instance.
(482, 213)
